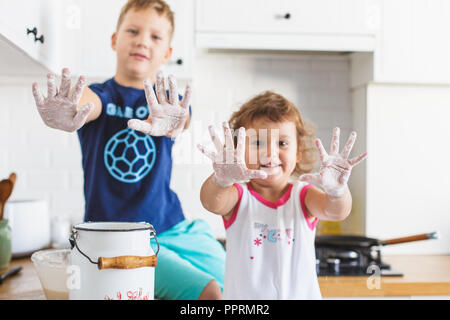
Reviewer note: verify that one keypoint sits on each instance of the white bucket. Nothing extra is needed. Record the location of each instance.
(112, 261)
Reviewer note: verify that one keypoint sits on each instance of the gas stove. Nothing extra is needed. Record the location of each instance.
(334, 261)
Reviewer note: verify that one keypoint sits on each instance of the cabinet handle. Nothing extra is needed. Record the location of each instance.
(41, 38)
(33, 31)
(287, 16)
(179, 61)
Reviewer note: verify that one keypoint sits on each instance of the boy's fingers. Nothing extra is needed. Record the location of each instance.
(140, 125)
(161, 88)
(187, 97)
(65, 83)
(357, 160)
(349, 145)
(78, 90)
(150, 94)
(51, 86)
(38, 97)
(173, 90)
(82, 114)
(335, 141)
(211, 155)
(256, 174)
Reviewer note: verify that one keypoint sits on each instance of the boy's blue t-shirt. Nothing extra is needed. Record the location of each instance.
(126, 172)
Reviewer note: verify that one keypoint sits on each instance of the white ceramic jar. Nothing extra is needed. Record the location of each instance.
(30, 226)
(112, 261)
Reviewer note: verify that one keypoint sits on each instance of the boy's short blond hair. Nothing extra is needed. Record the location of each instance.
(160, 6)
(274, 107)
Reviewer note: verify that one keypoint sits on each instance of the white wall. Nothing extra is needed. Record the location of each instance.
(48, 162)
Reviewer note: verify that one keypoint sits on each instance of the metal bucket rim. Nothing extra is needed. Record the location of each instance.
(144, 226)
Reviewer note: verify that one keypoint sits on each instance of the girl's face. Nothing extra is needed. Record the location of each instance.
(272, 147)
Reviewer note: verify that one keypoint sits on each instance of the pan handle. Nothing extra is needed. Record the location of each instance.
(424, 236)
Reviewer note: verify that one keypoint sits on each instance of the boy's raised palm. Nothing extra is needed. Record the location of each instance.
(59, 109)
(228, 162)
(167, 116)
(335, 168)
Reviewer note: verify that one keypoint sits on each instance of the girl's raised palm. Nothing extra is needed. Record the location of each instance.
(335, 168)
(229, 162)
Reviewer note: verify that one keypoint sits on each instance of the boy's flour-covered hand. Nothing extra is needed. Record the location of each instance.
(335, 168)
(59, 109)
(229, 162)
(167, 116)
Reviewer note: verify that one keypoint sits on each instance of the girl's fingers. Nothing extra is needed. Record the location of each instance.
(38, 97)
(335, 141)
(256, 174)
(322, 153)
(353, 162)
(187, 97)
(78, 90)
(51, 86)
(173, 91)
(65, 83)
(349, 145)
(240, 148)
(161, 88)
(217, 143)
(211, 155)
(150, 95)
(229, 144)
(311, 178)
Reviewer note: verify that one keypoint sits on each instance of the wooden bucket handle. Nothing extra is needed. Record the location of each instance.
(126, 262)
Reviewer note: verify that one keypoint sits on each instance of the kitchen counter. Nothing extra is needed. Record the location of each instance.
(424, 275)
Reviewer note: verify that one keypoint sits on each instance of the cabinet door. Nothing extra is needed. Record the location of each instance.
(16, 18)
(287, 16)
(31, 28)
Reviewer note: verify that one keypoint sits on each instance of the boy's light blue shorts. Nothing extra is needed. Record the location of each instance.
(189, 258)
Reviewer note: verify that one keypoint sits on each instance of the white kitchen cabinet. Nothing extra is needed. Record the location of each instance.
(347, 25)
(29, 41)
(413, 42)
(88, 49)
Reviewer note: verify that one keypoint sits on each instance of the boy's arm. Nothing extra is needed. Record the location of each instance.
(335, 201)
(90, 96)
(217, 199)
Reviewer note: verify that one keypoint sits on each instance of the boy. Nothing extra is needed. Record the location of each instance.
(119, 184)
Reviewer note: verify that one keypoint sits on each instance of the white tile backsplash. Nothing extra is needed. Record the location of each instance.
(48, 162)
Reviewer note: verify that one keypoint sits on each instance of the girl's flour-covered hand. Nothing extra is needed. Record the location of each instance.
(335, 168)
(229, 162)
(167, 116)
(59, 109)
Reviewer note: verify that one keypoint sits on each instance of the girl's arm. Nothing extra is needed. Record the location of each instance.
(335, 201)
(217, 199)
(218, 194)
(328, 207)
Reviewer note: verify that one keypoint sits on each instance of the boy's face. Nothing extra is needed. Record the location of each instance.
(142, 43)
(272, 147)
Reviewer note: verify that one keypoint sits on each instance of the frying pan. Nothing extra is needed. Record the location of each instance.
(350, 241)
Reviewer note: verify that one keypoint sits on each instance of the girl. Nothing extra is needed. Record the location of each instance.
(270, 221)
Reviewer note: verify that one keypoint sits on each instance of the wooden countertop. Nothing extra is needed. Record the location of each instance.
(424, 275)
